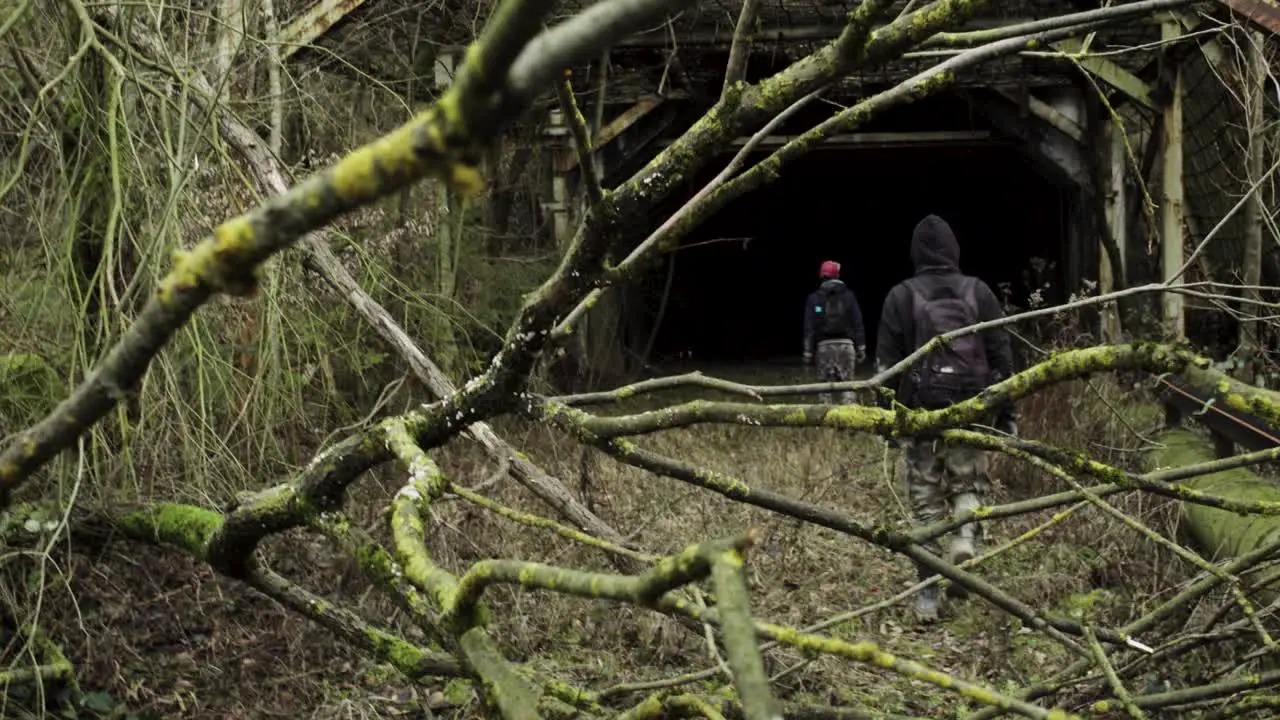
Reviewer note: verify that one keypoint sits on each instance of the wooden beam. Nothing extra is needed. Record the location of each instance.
(881, 139)
(1172, 208)
(1109, 72)
(1255, 163)
(724, 37)
(1116, 226)
(311, 23)
(1048, 113)
(616, 127)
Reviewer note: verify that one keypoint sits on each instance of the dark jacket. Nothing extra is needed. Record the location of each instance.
(853, 318)
(936, 257)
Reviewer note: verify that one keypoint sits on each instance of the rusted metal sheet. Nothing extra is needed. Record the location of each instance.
(1265, 13)
(312, 23)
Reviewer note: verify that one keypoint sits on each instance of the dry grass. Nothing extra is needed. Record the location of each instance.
(166, 636)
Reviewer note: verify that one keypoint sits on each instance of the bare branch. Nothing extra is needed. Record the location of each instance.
(575, 40)
(740, 50)
(581, 139)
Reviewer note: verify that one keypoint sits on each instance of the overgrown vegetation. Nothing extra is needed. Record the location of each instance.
(261, 495)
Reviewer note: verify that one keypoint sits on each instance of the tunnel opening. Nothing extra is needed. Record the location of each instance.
(734, 291)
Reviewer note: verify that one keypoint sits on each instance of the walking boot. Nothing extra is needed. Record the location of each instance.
(928, 605)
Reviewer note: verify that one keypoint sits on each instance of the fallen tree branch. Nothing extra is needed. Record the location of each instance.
(904, 422)
(871, 654)
(733, 606)
(408, 659)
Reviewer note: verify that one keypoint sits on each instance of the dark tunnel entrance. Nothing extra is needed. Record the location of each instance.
(739, 282)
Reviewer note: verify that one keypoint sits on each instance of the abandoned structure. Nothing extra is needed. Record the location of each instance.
(1140, 140)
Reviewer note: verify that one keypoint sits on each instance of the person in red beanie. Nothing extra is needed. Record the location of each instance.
(834, 336)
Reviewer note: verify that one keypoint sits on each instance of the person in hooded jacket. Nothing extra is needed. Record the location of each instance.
(834, 336)
(943, 480)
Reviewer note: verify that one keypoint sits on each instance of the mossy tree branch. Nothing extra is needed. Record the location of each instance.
(193, 530)
(871, 654)
(733, 606)
(462, 615)
(1162, 480)
(514, 697)
(670, 573)
(407, 658)
(1061, 367)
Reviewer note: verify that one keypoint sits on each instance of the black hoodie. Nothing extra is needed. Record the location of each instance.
(936, 257)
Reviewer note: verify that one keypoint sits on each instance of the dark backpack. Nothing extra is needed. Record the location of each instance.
(958, 369)
(833, 313)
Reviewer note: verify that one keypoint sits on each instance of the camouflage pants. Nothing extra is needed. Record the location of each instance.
(836, 361)
(943, 480)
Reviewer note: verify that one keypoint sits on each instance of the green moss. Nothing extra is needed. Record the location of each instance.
(185, 526)
(1221, 533)
(459, 691)
(401, 654)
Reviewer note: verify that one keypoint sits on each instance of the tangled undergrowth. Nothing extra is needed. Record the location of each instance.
(165, 637)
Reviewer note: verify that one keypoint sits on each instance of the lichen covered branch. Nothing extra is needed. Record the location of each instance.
(871, 654)
(1061, 367)
(193, 530)
(733, 605)
(410, 660)
(670, 573)
(512, 694)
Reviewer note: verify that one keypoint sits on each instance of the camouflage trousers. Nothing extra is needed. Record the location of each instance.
(942, 481)
(836, 360)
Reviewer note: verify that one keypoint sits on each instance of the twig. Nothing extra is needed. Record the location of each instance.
(1117, 686)
(541, 522)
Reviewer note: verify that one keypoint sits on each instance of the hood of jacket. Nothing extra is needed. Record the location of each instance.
(934, 247)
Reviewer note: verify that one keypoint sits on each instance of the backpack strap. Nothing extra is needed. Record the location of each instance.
(971, 294)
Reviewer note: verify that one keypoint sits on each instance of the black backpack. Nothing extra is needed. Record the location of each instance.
(958, 369)
(833, 313)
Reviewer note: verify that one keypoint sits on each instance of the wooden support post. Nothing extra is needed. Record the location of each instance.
(1255, 81)
(1115, 212)
(449, 228)
(559, 205)
(1172, 206)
